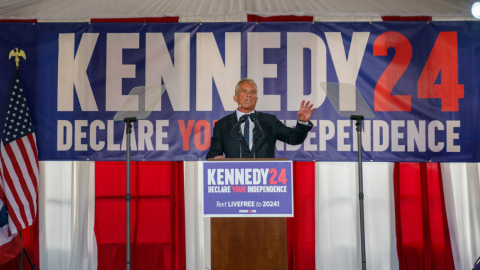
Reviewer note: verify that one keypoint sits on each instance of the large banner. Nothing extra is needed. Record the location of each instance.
(421, 80)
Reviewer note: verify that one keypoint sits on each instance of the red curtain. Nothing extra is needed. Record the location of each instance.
(20, 21)
(284, 18)
(137, 20)
(157, 215)
(301, 228)
(30, 240)
(406, 18)
(423, 241)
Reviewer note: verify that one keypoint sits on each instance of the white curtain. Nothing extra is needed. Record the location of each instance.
(337, 216)
(67, 199)
(197, 228)
(461, 185)
(66, 215)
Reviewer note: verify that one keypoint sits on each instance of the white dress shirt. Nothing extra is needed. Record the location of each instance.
(251, 126)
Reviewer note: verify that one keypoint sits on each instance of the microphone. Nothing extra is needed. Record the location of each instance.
(240, 137)
(240, 121)
(253, 117)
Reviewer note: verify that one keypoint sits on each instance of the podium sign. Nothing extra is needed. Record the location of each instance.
(247, 189)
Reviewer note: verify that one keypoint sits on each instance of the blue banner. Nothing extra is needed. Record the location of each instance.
(245, 188)
(419, 78)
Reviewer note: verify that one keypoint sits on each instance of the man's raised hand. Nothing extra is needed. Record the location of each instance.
(305, 111)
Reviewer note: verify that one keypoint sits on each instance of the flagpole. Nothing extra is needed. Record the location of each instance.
(128, 130)
(32, 265)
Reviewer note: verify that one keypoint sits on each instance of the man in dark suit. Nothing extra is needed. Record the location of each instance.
(256, 137)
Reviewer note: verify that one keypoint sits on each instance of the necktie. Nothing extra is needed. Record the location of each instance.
(246, 131)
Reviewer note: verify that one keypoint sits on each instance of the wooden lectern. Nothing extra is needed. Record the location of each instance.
(250, 243)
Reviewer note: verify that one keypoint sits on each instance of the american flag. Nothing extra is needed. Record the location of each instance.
(19, 161)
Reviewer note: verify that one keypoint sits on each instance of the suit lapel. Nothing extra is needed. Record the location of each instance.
(233, 120)
(236, 132)
(260, 140)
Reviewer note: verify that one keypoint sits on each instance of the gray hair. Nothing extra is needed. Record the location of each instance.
(245, 80)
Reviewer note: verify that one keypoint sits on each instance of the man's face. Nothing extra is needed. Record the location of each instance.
(247, 96)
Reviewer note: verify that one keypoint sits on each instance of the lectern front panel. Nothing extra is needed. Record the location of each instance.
(249, 243)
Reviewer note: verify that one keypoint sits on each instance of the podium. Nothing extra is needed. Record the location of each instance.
(249, 243)
(239, 243)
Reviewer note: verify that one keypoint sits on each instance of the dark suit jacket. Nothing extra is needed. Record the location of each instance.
(229, 143)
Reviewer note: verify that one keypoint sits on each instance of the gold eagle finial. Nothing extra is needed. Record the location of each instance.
(17, 55)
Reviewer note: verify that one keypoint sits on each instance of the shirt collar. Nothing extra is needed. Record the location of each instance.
(240, 114)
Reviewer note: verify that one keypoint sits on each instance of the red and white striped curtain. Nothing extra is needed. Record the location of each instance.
(417, 216)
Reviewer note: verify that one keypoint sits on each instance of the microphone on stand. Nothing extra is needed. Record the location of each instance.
(240, 137)
(253, 117)
(240, 121)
